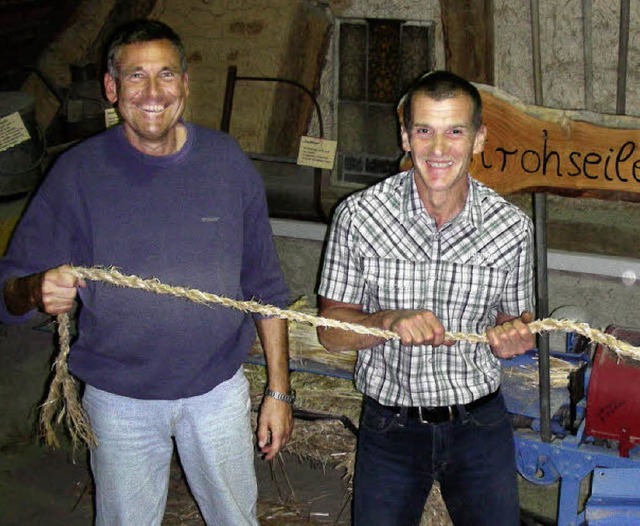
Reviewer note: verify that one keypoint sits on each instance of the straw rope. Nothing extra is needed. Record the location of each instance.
(63, 404)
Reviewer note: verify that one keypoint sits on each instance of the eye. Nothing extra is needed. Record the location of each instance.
(457, 131)
(167, 74)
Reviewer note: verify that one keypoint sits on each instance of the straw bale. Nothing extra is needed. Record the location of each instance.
(559, 371)
(304, 344)
(435, 511)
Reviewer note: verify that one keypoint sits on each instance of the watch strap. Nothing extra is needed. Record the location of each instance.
(289, 397)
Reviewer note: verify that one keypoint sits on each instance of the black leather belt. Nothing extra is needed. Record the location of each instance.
(445, 413)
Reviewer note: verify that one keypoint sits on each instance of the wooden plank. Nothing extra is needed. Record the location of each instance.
(532, 149)
(302, 62)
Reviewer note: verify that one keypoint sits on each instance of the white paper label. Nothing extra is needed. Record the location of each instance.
(317, 152)
(12, 131)
(111, 117)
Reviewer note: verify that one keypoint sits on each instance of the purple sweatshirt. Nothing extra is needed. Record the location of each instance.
(197, 218)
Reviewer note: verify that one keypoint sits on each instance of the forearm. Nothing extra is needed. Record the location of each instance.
(24, 294)
(412, 327)
(343, 340)
(275, 422)
(275, 343)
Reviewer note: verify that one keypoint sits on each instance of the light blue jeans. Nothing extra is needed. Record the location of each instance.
(132, 461)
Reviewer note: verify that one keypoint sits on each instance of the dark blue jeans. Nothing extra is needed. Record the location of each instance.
(472, 457)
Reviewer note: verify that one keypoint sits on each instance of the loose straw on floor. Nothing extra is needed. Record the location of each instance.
(63, 403)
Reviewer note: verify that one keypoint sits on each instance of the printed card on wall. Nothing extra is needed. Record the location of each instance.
(12, 131)
(317, 152)
(111, 117)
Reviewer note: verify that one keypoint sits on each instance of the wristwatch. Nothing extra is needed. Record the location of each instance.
(289, 397)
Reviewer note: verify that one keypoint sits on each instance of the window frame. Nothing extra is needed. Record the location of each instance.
(338, 174)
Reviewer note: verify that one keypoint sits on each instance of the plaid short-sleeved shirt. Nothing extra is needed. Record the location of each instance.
(385, 252)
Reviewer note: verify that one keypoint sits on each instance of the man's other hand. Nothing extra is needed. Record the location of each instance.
(59, 290)
(415, 327)
(275, 425)
(511, 335)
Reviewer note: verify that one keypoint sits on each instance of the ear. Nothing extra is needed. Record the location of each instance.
(406, 145)
(110, 88)
(185, 79)
(480, 139)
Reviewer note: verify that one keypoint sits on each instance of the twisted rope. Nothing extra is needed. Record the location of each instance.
(63, 403)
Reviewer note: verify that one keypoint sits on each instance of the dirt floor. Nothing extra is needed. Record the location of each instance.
(41, 487)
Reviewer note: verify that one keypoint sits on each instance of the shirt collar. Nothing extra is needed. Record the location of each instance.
(412, 206)
(472, 212)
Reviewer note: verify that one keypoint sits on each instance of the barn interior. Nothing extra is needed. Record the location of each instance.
(271, 72)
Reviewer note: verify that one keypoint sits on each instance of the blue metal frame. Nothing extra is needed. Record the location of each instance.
(567, 459)
(620, 507)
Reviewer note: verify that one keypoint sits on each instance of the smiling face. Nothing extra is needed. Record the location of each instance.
(442, 140)
(151, 92)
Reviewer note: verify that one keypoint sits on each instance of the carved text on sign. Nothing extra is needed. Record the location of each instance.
(546, 161)
(532, 148)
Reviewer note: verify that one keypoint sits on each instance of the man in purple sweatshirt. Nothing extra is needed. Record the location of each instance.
(159, 197)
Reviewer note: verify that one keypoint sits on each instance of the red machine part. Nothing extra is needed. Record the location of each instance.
(613, 399)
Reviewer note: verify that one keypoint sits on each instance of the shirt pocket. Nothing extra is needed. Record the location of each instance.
(396, 284)
(469, 294)
(463, 296)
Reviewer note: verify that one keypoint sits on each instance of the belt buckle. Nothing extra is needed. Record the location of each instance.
(425, 421)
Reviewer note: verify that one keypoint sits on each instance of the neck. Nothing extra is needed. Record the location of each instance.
(445, 205)
(171, 143)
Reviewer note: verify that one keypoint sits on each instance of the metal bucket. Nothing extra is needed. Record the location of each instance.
(84, 105)
(20, 164)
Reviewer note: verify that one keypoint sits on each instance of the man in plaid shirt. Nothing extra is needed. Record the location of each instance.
(428, 250)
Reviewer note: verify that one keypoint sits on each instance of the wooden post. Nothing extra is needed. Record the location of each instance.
(467, 27)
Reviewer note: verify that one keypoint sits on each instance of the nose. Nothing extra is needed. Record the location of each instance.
(439, 144)
(152, 87)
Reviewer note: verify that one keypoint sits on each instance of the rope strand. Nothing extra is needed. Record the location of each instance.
(63, 403)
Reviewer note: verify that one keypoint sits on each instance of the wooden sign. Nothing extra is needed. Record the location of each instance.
(533, 149)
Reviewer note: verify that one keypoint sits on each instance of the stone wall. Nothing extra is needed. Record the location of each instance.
(263, 38)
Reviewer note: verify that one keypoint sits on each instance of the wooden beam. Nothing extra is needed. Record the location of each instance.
(467, 26)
